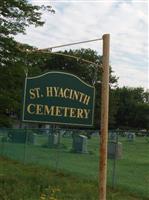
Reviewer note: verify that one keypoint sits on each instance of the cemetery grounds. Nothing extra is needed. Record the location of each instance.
(37, 171)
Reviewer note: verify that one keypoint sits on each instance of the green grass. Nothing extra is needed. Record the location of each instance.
(132, 171)
(30, 182)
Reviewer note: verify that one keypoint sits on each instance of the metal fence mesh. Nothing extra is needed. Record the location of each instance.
(128, 153)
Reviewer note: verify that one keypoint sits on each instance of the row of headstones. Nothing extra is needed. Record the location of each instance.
(115, 147)
(79, 142)
(79, 145)
(113, 136)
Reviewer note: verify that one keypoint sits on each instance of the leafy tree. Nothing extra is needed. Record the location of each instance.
(128, 106)
(11, 92)
(15, 16)
(132, 108)
(141, 118)
(91, 73)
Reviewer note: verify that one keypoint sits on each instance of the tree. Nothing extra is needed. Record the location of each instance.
(90, 73)
(132, 108)
(15, 16)
(141, 119)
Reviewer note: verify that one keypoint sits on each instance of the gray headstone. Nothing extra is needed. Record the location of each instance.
(79, 144)
(112, 136)
(52, 140)
(34, 139)
(67, 134)
(96, 133)
(114, 150)
(47, 128)
(131, 137)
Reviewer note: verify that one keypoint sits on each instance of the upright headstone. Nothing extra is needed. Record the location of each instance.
(47, 128)
(131, 137)
(79, 144)
(33, 139)
(114, 150)
(112, 136)
(67, 134)
(52, 140)
(36, 139)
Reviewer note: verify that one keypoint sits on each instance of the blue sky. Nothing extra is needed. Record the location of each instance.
(126, 21)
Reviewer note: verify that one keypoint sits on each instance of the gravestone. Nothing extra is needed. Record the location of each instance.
(131, 137)
(67, 134)
(47, 128)
(79, 144)
(112, 136)
(36, 139)
(53, 140)
(114, 150)
(33, 138)
(95, 133)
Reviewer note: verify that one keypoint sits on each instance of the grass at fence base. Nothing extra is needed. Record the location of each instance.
(29, 182)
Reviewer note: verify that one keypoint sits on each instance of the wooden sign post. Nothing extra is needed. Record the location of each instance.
(104, 118)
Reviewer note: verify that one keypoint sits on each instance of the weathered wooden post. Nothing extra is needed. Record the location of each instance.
(104, 118)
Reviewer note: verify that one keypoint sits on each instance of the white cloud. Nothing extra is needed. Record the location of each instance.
(131, 76)
(126, 21)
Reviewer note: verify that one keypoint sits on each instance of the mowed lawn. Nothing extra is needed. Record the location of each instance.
(30, 182)
(132, 171)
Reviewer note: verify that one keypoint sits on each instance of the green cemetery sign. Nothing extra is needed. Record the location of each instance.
(58, 98)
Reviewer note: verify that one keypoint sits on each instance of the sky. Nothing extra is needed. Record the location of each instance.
(125, 20)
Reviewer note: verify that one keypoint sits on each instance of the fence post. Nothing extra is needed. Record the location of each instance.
(104, 118)
(25, 145)
(114, 162)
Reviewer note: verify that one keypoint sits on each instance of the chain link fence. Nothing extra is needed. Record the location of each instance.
(61, 149)
(77, 152)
